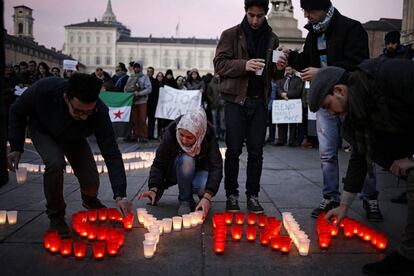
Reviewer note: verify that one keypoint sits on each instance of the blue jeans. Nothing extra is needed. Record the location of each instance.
(328, 129)
(189, 180)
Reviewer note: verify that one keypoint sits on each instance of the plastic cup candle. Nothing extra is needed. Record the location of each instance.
(54, 241)
(348, 230)
(128, 221)
(21, 175)
(101, 233)
(368, 234)
(217, 219)
(251, 232)
(46, 238)
(186, 221)
(159, 224)
(264, 237)
(240, 218)
(149, 248)
(140, 214)
(381, 241)
(275, 242)
(92, 215)
(324, 240)
(167, 225)
(91, 232)
(219, 247)
(261, 220)
(102, 214)
(113, 214)
(285, 244)
(12, 217)
(66, 247)
(83, 229)
(333, 230)
(200, 215)
(112, 247)
(304, 247)
(150, 237)
(194, 219)
(3, 217)
(236, 232)
(98, 249)
(177, 223)
(228, 217)
(251, 218)
(79, 249)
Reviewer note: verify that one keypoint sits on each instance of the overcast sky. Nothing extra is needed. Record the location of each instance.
(199, 18)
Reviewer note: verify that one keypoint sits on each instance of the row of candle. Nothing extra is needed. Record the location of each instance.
(80, 219)
(298, 236)
(8, 216)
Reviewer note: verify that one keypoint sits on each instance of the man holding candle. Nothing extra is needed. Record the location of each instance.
(377, 102)
(60, 115)
(244, 62)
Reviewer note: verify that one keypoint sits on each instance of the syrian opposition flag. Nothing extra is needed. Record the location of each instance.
(119, 105)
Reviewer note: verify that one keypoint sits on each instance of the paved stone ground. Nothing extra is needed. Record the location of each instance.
(291, 181)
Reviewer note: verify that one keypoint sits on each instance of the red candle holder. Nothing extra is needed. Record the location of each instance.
(92, 215)
(274, 227)
(91, 232)
(367, 234)
(83, 216)
(98, 249)
(251, 218)
(275, 242)
(356, 226)
(324, 240)
(261, 220)
(79, 249)
(220, 229)
(264, 237)
(103, 214)
(101, 233)
(121, 238)
(343, 222)
(333, 230)
(228, 218)
(348, 230)
(54, 241)
(112, 247)
(47, 236)
(236, 232)
(219, 247)
(76, 220)
(251, 233)
(66, 247)
(285, 244)
(361, 231)
(113, 214)
(239, 218)
(218, 219)
(128, 221)
(83, 229)
(381, 241)
(220, 237)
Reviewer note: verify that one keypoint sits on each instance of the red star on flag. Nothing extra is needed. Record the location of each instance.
(118, 114)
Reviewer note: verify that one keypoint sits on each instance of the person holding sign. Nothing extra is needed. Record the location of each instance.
(189, 156)
(244, 62)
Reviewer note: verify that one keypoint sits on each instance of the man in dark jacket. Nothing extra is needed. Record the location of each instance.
(244, 62)
(378, 104)
(333, 40)
(60, 115)
(393, 47)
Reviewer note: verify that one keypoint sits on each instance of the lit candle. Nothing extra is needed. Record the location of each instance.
(324, 240)
(121, 237)
(228, 217)
(177, 223)
(83, 216)
(251, 218)
(128, 221)
(101, 233)
(21, 175)
(113, 214)
(92, 215)
(54, 241)
(112, 247)
(47, 236)
(98, 249)
(66, 247)
(361, 231)
(304, 247)
(103, 214)
(218, 218)
(149, 248)
(367, 234)
(285, 244)
(159, 224)
(140, 214)
(251, 232)
(83, 229)
(91, 232)
(240, 218)
(219, 247)
(194, 219)
(381, 241)
(274, 226)
(348, 230)
(12, 217)
(236, 232)
(167, 225)
(275, 242)
(264, 237)
(333, 230)
(220, 236)
(3, 217)
(200, 216)
(261, 220)
(79, 249)
(186, 221)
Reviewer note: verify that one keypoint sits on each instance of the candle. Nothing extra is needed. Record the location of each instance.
(91, 232)
(348, 230)
(177, 222)
(264, 237)
(194, 219)
(218, 218)
(333, 230)
(159, 224)
(21, 175)
(186, 221)
(103, 214)
(101, 233)
(200, 216)
(79, 249)
(83, 229)
(83, 216)
(324, 240)
(66, 247)
(220, 236)
(113, 214)
(128, 221)
(92, 215)
(47, 236)
(150, 236)
(112, 247)
(12, 217)
(98, 249)
(240, 218)
(251, 218)
(251, 232)
(3, 217)
(76, 220)
(149, 248)
(167, 225)
(275, 242)
(381, 241)
(141, 212)
(361, 231)
(285, 244)
(367, 234)
(121, 237)
(274, 226)
(236, 232)
(228, 217)
(261, 220)
(304, 247)
(219, 247)
(54, 242)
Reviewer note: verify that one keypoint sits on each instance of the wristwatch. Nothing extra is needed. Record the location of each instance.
(411, 158)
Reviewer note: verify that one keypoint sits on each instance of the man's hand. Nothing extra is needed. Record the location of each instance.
(150, 194)
(13, 159)
(308, 74)
(204, 205)
(339, 212)
(124, 205)
(401, 167)
(282, 62)
(255, 64)
(136, 93)
(284, 95)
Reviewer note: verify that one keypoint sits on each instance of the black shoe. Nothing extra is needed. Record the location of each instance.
(232, 204)
(59, 224)
(401, 199)
(394, 264)
(92, 202)
(324, 206)
(373, 210)
(253, 205)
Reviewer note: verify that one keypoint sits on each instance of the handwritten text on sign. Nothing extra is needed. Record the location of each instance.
(173, 102)
(287, 112)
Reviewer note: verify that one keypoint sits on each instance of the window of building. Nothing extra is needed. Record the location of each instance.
(88, 60)
(98, 60)
(79, 39)
(108, 39)
(88, 38)
(87, 50)
(20, 28)
(98, 39)
(108, 60)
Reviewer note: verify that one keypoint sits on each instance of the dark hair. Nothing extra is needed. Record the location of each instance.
(32, 61)
(57, 68)
(256, 3)
(44, 65)
(392, 37)
(84, 87)
(131, 63)
(136, 64)
(122, 66)
(23, 63)
(150, 67)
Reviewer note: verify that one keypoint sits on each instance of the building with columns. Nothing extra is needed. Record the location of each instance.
(407, 30)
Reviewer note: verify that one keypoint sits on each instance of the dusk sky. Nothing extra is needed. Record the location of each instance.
(199, 18)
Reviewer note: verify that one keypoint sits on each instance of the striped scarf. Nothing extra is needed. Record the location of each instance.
(321, 27)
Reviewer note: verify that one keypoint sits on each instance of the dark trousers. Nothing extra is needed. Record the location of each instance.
(53, 154)
(272, 128)
(247, 122)
(282, 132)
(151, 126)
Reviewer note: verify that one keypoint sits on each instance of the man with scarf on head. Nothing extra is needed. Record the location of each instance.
(244, 62)
(333, 40)
(377, 102)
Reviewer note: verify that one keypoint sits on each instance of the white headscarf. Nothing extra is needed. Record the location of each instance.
(196, 123)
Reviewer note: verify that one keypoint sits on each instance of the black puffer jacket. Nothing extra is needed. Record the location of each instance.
(163, 175)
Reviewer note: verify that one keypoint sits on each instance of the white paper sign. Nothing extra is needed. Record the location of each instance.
(287, 112)
(19, 91)
(173, 102)
(311, 115)
(276, 55)
(70, 64)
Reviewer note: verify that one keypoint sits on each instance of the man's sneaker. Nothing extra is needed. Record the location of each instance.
(232, 204)
(401, 199)
(324, 206)
(253, 205)
(59, 224)
(92, 203)
(393, 264)
(373, 210)
(184, 208)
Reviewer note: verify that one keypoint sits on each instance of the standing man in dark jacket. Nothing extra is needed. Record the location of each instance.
(244, 62)
(333, 40)
(152, 103)
(378, 105)
(393, 47)
(60, 115)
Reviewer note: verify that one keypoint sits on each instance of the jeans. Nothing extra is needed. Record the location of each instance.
(189, 180)
(53, 154)
(218, 115)
(328, 129)
(244, 122)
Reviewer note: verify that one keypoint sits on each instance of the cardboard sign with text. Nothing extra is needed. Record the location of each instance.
(173, 102)
(70, 64)
(287, 112)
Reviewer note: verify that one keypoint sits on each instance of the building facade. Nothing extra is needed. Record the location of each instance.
(407, 31)
(376, 30)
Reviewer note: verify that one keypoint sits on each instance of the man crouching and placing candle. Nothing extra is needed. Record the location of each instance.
(189, 156)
